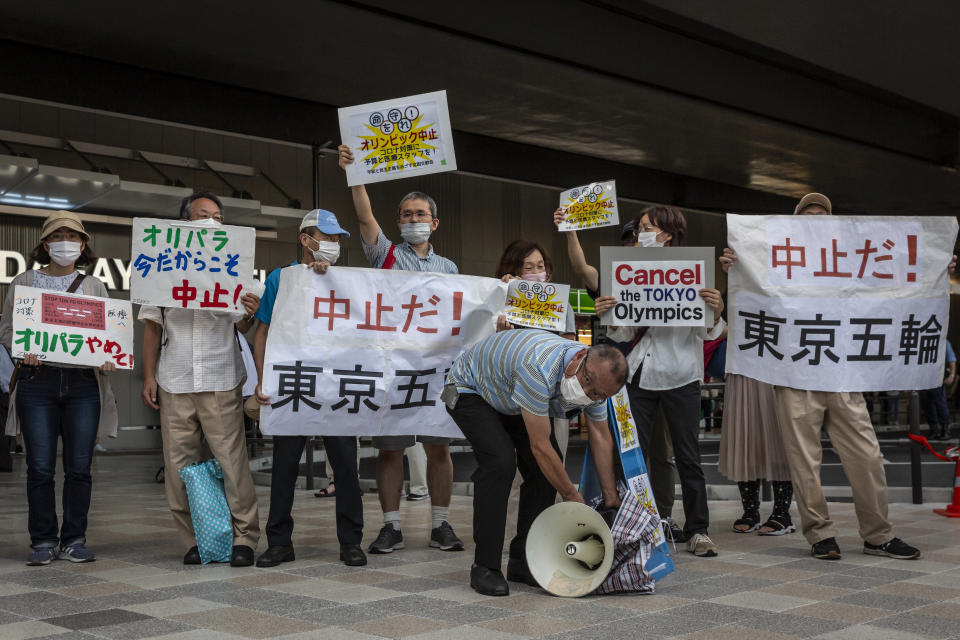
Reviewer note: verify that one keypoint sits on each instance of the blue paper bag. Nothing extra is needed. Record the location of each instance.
(212, 523)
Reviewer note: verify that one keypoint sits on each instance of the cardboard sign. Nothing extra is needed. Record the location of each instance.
(590, 206)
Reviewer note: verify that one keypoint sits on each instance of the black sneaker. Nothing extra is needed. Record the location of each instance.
(445, 539)
(826, 549)
(417, 497)
(388, 540)
(895, 548)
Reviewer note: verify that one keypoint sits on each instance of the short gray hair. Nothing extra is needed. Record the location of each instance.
(614, 359)
(418, 195)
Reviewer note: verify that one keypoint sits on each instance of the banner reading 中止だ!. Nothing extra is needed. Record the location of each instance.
(366, 351)
(398, 138)
(191, 264)
(840, 303)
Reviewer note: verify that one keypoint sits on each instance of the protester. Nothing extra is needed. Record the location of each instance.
(59, 401)
(318, 248)
(193, 373)
(416, 220)
(6, 371)
(802, 415)
(659, 455)
(501, 393)
(933, 402)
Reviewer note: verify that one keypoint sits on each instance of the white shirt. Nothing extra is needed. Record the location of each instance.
(198, 350)
(671, 356)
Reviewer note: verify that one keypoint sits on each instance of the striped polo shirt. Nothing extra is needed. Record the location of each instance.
(406, 258)
(514, 370)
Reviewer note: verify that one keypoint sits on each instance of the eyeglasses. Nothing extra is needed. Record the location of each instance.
(423, 216)
(588, 378)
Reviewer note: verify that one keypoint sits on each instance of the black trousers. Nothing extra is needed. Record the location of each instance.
(501, 446)
(681, 408)
(342, 452)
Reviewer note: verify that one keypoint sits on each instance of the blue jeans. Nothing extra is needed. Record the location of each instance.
(933, 405)
(55, 402)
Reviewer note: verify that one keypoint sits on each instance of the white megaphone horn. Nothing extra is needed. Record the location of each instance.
(569, 549)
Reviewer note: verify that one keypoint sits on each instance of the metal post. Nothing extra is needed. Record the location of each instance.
(916, 479)
(309, 462)
(315, 150)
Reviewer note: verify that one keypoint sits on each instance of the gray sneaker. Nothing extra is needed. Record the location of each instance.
(701, 545)
(42, 556)
(77, 552)
(388, 540)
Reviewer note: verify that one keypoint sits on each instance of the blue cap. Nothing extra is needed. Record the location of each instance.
(324, 220)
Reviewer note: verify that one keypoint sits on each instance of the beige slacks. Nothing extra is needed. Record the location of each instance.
(848, 425)
(218, 415)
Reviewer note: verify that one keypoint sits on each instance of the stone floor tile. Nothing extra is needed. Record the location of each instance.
(890, 574)
(329, 633)
(845, 581)
(840, 612)
(413, 585)
(147, 628)
(412, 604)
(467, 633)
(287, 605)
(762, 600)
(461, 593)
(714, 612)
(912, 622)
(244, 622)
(368, 577)
(736, 632)
(713, 587)
(12, 589)
(532, 624)
(859, 632)
(888, 601)
(101, 618)
(174, 606)
(528, 602)
(399, 626)
(42, 603)
(97, 590)
(803, 626)
(643, 602)
(29, 629)
(807, 590)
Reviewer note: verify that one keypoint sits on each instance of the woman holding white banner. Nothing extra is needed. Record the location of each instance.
(62, 400)
(666, 368)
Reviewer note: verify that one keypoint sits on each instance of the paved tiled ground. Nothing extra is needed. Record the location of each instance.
(765, 588)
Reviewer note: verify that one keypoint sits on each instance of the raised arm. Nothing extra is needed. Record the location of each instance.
(369, 229)
(588, 275)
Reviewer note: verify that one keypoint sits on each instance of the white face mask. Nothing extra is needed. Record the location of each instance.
(648, 239)
(415, 232)
(65, 253)
(326, 251)
(572, 391)
(535, 277)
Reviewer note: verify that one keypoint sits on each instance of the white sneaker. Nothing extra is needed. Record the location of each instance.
(701, 545)
(99, 448)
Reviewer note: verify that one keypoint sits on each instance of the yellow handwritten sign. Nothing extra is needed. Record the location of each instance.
(541, 305)
(590, 206)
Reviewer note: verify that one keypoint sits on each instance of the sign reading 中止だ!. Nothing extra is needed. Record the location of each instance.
(191, 264)
(398, 138)
(590, 206)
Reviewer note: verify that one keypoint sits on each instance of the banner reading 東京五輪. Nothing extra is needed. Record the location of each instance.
(840, 303)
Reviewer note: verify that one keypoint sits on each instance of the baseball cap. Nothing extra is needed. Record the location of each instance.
(324, 220)
(811, 199)
(66, 219)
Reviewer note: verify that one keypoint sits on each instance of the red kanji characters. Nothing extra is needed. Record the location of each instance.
(380, 309)
(836, 258)
(331, 312)
(412, 306)
(789, 250)
(184, 293)
(215, 302)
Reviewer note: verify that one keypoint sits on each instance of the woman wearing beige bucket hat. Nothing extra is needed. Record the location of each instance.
(53, 401)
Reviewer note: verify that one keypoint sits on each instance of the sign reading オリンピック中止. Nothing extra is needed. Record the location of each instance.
(366, 351)
(541, 305)
(398, 138)
(589, 206)
(840, 303)
(191, 265)
(72, 328)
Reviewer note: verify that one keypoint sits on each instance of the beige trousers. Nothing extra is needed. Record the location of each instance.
(848, 425)
(218, 415)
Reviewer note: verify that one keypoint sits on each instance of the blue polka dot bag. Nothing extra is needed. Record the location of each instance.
(212, 523)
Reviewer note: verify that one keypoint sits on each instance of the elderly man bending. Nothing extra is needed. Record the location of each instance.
(501, 393)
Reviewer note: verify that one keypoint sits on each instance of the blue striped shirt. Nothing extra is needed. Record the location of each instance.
(514, 370)
(405, 257)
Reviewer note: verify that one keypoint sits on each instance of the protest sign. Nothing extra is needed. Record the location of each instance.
(366, 351)
(839, 303)
(72, 328)
(398, 138)
(657, 286)
(590, 206)
(541, 305)
(191, 265)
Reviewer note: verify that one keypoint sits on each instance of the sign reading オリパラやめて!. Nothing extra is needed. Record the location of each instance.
(191, 265)
(398, 138)
(72, 328)
(590, 206)
(366, 351)
(840, 303)
(541, 305)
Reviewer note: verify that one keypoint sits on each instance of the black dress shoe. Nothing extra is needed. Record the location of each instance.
(192, 556)
(242, 556)
(275, 555)
(518, 571)
(488, 581)
(352, 555)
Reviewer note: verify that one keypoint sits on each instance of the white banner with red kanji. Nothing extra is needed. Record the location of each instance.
(840, 303)
(366, 351)
(71, 328)
(198, 264)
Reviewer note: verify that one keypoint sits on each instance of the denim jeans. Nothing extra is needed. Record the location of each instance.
(56, 402)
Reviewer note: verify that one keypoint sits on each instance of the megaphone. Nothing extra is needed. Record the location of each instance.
(569, 549)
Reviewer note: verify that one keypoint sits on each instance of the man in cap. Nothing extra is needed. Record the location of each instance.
(416, 220)
(318, 247)
(196, 385)
(848, 424)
